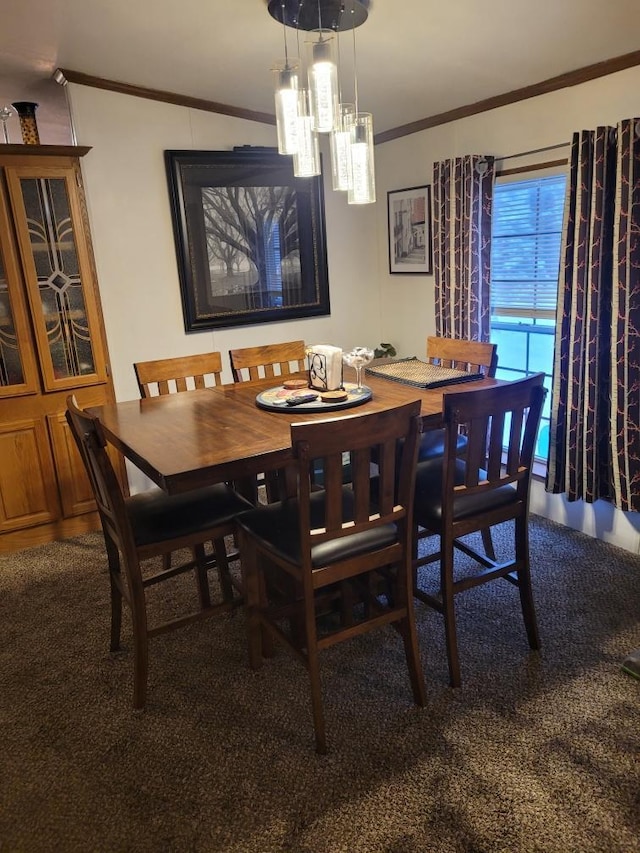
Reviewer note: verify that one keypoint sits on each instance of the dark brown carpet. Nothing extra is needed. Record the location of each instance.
(537, 752)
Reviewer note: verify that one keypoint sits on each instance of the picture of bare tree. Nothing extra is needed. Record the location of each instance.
(250, 238)
(252, 243)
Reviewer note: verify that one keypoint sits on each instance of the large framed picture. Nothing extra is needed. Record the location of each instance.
(250, 238)
(409, 213)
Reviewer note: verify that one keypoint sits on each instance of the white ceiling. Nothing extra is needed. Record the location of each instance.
(415, 58)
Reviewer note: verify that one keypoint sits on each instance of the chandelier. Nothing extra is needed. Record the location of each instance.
(317, 102)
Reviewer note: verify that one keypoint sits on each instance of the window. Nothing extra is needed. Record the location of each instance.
(525, 261)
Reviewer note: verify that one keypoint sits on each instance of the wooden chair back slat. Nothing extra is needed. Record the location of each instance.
(360, 477)
(174, 375)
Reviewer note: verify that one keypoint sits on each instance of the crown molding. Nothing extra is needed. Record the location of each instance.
(66, 75)
(562, 81)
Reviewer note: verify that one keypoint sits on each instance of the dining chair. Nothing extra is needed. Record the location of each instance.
(461, 354)
(183, 373)
(268, 361)
(347, 546)
(153, 524)
(487, 484)
(472, 357)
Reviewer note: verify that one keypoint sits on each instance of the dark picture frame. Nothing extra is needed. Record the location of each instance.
(410, 236)
(250, 238)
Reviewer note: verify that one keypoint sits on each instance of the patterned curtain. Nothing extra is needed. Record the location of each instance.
(595, 417)
(462, 193)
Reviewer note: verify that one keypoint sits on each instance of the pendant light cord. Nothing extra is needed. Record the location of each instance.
(300, 4)
(284, 32)
(355, 67)
(338, 27)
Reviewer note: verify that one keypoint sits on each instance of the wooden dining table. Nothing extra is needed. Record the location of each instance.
(187, 440)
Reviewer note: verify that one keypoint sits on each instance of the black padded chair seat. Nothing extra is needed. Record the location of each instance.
(277, 525)
(432, 444)
(156, 516)
(427, 505)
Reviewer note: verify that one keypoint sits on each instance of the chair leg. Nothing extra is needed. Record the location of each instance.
(448, 610)
(113, 557)
(407, 628)
(316, 704)
(252, 600)
(202, 579)
(266, 637)
(414, 664)
(524, 582)
(487, 543)
(414, 557)
(313, 665)
(222, 563)
(140, 655)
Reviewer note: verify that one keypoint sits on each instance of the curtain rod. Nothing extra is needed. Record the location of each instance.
(535, 151)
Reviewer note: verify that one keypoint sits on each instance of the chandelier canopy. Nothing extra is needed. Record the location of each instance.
(337, 15)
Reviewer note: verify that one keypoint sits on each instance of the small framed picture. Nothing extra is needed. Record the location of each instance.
(409, 212)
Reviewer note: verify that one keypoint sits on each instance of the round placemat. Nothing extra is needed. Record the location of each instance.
(275, 399)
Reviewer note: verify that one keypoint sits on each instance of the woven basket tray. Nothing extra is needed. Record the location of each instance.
(420, 374)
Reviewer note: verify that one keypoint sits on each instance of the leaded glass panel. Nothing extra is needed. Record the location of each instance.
(59, 281)
(11, 372)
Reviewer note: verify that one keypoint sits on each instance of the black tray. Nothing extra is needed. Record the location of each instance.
(420, 374)
(275, 400)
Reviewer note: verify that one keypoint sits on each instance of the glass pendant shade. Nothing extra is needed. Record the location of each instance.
(323, 85)
(286, 98)
(306, 160)
(363, 188)
(340, 140)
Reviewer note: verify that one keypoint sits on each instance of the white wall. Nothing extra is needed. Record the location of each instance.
(135, 255)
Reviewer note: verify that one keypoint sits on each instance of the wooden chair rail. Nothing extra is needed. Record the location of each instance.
(463, 354)
(177, 374)
(259, 362)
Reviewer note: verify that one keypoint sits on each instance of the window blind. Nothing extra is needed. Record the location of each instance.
(525, 248)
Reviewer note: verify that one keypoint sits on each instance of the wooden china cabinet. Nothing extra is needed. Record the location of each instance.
(52, 343)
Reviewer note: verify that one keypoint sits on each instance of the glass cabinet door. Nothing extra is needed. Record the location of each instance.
(17, 362)
(59, 274)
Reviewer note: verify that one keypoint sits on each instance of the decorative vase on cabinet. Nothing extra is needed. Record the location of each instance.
(52, 342)
(28, 126)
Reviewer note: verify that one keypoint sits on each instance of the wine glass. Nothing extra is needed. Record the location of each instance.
(5, 115)
(357, 358)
